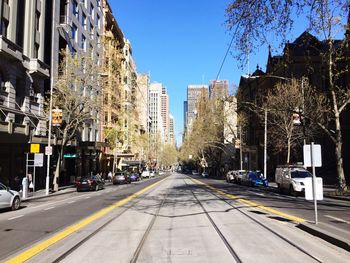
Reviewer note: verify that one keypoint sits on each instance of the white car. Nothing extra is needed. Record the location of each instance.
(291, 178)
(9, 198)
(152, 174)
(145, 174)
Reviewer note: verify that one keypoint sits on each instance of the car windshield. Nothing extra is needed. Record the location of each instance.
(300, 174)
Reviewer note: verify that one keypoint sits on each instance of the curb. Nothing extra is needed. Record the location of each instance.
(60, 192)
(325, 235)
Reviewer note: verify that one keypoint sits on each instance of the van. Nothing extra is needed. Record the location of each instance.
(291, 178)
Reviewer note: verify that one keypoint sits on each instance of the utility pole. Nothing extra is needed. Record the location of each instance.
(265, 145)
(53, 28)
(240, 148)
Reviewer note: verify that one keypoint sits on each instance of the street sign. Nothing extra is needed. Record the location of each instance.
(34, 148)
(48, 150)
(316, 155)
(308, 188)
(38, 159)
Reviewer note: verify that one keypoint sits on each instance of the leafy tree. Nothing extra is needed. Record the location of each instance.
(255, 22)
(76, 93)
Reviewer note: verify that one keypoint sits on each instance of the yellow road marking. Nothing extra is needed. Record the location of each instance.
(253, 204)
(33, 251)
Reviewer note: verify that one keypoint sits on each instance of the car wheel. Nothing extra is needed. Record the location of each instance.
(291, 191)
(16, 203)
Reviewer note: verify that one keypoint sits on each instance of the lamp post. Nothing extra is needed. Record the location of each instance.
(53, 28)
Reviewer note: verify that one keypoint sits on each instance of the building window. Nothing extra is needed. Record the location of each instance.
(83, 42)
(92, 9)
(92, 31)
(36, 50)
(98, 21)
(83, 21)
(74, 32)
(75, 8)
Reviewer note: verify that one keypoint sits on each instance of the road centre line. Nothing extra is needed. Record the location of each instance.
(15, 217)
(338, 219)
(36, 249)
(252, 204)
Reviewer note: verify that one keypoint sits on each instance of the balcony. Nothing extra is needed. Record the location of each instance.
(10, 50)
(37, 68)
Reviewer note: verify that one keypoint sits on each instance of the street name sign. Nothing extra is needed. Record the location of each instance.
(316, 155)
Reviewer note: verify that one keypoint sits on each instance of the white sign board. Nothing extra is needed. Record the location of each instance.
(48, 150)
(316, 155)
(308, 188)
(38, 159)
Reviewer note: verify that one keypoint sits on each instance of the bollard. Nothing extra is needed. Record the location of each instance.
(24, 188)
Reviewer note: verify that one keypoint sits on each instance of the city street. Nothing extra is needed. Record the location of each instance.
(178, 219)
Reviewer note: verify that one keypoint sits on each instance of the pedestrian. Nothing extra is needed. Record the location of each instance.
(110, 176)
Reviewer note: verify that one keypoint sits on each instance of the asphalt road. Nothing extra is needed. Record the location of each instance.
(39, 219)
(182, 220)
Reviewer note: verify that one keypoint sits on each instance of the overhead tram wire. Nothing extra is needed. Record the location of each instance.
(227, 51)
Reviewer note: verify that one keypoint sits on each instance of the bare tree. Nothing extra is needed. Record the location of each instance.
(76, 93)
(253, 20)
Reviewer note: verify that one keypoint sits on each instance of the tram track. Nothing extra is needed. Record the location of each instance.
(239, 209)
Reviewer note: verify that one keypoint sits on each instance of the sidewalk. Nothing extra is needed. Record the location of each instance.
(42, 193)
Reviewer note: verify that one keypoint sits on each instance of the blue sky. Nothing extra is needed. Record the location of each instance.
(180, 42)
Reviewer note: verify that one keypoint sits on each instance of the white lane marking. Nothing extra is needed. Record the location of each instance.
(71, 202)
(15, 217)
(338, 219)
(87, 197)
(49, 208)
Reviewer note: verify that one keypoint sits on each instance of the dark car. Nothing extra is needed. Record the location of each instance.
(88, 183)
(121, 178)
(134, 177)
(254, 178)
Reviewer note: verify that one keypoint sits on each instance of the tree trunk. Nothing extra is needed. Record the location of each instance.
(339, 158)
(338, 134)
(288, 150)
(59, 162)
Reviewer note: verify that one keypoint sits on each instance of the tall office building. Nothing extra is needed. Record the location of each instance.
(25, 37)
(172, 137)
(194, 93)
(154, 111)
(165, 114)
(218, 89)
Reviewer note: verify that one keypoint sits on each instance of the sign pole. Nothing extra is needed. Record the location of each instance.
(314, 181)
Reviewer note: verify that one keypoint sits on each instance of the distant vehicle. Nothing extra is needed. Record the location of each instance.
(121, 178)
(291, 178)
(230, 176)
(195, 172)
(89, 183)
(145, 174)
(134, 177)
(205, 174)
(9, 198)
(152, 174)
(237, 176)
(254, 178)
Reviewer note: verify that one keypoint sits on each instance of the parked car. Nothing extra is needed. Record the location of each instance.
(230, 176)
(121, 178)
(205, 174)
(9, 198)
(291, 178)
(134, 177)
(88, 183)
(195, 172)
(145, 174)
(237, 176)
(152, 174)
(254, 178)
